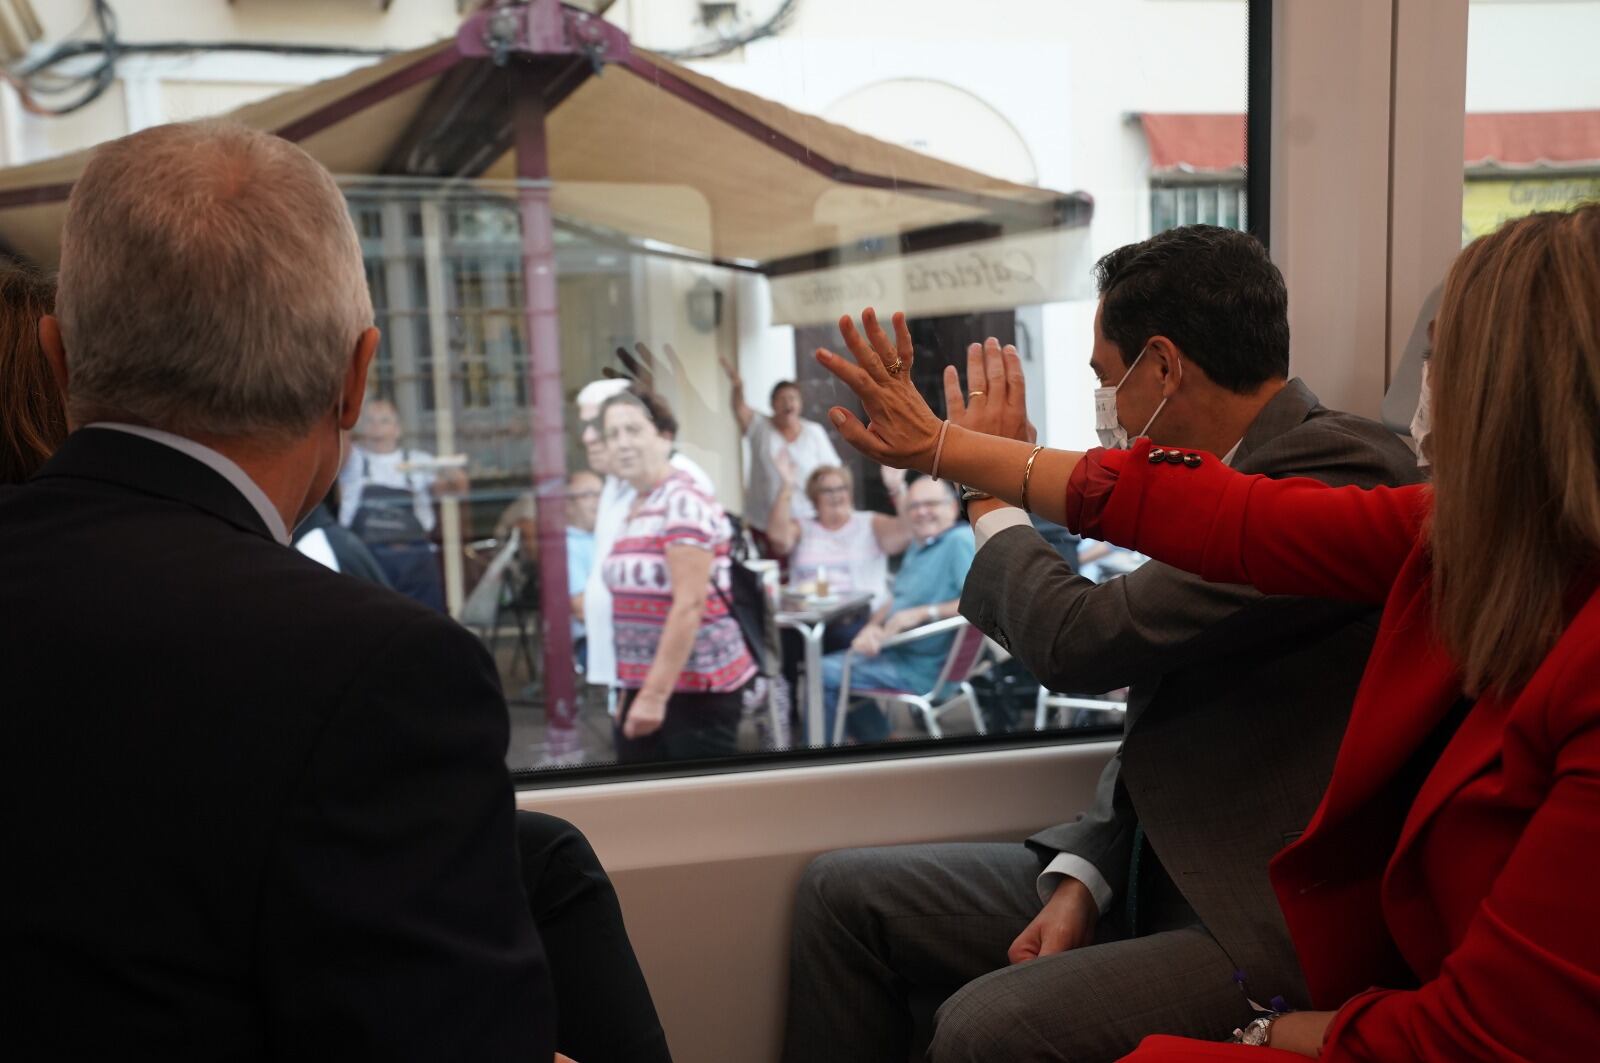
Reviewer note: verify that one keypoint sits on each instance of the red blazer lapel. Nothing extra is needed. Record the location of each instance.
(1329, 882)
(1475, 747)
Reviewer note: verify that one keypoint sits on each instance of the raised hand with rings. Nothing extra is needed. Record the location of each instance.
(987, 441)
(995, 376)
(901, 430)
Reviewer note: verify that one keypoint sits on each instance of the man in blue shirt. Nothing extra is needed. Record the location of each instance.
(583, 503)
(927, 588)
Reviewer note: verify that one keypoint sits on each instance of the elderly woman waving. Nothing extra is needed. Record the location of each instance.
(681, 659)
(1438, 902)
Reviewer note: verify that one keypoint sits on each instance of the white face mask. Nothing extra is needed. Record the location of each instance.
(1106, 423)
(1422, 420)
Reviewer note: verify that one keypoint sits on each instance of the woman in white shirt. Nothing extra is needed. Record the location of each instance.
(849, 548)
(846, 547)
(804, 444)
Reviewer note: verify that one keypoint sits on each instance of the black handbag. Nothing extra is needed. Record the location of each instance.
(749, 606)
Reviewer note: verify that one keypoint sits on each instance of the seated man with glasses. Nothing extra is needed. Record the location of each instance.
(926, 589)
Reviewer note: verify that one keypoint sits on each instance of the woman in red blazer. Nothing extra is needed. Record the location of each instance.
(1445, 898)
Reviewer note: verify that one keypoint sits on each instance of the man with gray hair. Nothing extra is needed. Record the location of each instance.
(252, 809)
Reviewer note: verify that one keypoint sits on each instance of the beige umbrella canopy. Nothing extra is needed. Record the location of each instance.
(637, 147)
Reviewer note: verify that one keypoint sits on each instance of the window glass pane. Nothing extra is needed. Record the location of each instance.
(1532, 133)
(735, 178)
(756, 276)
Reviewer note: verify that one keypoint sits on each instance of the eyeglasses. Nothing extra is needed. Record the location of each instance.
(584, 494)
(918, 507)
(832, 492)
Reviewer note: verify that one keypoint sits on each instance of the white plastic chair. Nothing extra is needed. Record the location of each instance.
(1050, 701)
(967, 657)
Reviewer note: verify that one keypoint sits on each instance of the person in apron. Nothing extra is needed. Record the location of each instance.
(387, 501)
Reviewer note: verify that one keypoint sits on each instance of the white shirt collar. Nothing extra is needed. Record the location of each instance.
(1227, 459)
(219, 463)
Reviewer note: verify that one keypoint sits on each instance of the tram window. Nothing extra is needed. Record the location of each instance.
(690, 190)
(1532, 137)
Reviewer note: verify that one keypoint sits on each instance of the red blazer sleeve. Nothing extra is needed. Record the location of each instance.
(1524, 983)
(1291, 536)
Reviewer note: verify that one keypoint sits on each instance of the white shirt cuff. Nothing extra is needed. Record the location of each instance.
(1066, 864)
(996, 521)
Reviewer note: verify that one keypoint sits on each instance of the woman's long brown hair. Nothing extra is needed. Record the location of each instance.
(33, 421)
(1516, 443)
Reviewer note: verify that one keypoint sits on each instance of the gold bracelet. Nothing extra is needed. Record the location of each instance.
(1027, 474)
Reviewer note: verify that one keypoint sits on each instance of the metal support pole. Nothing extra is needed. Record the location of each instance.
(545, 401)
(444, 409)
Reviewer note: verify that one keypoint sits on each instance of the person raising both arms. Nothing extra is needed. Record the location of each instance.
(1160, 884)
(1437, 901)
(805, 443)
(849, 547)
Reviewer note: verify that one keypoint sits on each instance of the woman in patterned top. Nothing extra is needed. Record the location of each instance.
(681, 659)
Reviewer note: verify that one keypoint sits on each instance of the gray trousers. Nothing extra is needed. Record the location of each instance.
(878, 932)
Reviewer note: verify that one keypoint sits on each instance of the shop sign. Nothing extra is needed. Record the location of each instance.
(1045, 267)
(1486, 205)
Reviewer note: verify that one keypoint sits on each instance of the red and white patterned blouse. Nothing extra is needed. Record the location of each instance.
(675, 513)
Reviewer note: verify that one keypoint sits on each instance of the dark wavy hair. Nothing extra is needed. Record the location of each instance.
(33, 419)
(1212, 291)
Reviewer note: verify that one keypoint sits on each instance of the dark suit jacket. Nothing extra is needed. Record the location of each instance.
(252, 809)
(1238, 701)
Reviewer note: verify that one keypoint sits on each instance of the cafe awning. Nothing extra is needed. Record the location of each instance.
(639, 148)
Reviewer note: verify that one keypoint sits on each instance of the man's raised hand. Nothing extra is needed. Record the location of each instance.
(996, 402)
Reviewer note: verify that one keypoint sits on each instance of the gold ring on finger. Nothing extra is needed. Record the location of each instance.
(893, 368)
(975, 393)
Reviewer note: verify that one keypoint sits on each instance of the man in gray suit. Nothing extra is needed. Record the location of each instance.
(1151, 912)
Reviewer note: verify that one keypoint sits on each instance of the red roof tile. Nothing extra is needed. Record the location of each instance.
(1209, 143)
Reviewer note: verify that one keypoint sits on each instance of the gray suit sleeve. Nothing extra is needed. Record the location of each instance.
(1075, 635)
(1102, 835)
(1082, 637)
(1079, 636)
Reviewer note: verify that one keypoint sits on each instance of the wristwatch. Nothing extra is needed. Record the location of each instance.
(970, 494)
(1258, 1032)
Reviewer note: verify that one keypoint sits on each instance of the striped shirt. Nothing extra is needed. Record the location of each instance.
(676, 513)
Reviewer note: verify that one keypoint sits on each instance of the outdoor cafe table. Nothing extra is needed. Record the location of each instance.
(811, 619)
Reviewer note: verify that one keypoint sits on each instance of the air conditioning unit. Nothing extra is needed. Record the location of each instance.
(19, 27)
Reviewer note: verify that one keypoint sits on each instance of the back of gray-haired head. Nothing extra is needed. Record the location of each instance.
(211, 284)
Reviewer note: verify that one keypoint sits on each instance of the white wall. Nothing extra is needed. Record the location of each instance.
(1060, 78)
(1063, 76)
(160, 88)
(1025, 89)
